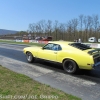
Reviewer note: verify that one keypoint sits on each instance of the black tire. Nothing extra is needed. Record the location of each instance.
(30, 57)
(70, 66)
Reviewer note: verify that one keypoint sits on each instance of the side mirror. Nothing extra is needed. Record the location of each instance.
(42, 48)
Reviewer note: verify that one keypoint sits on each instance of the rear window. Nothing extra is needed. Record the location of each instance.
(80, 46)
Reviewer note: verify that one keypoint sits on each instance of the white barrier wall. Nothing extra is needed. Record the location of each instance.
(93, 45)
(33, 41)
(18, 40)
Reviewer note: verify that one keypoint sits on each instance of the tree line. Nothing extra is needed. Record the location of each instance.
(82, 27)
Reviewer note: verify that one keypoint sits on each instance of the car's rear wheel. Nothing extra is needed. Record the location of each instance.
(70, 66)
(30, 57)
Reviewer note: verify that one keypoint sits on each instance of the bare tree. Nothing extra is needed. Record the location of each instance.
(56, 25)
(69, 27)
(72, 28)
(85, 21)
(61, 31)
(41, 26)
(75, 24)
(49, 27)
(96, 24)
(90, 26)
(69, 30)
(32, 28)
(81, 22)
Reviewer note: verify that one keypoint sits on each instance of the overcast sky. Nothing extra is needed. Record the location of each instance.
(18, 14)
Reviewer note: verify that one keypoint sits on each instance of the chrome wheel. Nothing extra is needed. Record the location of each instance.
(30, 57)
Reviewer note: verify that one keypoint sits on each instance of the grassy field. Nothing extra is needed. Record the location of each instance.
(14, 86)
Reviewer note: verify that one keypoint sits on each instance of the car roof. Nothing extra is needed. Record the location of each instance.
(61, 42)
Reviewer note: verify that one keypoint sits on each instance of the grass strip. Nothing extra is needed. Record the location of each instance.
(14, 86)
(24, 43)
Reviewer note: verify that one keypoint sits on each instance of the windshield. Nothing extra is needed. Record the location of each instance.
(80, 46)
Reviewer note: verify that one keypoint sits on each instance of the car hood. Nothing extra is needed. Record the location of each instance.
(33, 47)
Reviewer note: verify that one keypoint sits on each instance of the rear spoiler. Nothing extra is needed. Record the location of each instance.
(94, 51)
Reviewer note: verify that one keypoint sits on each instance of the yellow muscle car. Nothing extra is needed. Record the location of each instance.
(73, 56)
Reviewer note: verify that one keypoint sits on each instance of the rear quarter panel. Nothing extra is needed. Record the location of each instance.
(79, 56)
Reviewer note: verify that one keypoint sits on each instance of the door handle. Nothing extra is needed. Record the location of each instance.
(55, 52)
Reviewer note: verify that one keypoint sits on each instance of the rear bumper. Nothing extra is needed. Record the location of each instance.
(97, 64)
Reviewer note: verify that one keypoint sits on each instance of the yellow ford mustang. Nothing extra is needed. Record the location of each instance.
(73, 56)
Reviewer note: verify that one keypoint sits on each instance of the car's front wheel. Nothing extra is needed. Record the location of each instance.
(70, 66)
(30, 57)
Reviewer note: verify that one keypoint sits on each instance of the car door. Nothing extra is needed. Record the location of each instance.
(48, 53)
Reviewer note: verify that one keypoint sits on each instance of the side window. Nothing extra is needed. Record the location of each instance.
(48, 46)
(56, 47)
(59, 48)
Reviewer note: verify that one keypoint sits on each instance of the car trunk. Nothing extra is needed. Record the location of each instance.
(95, 53)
